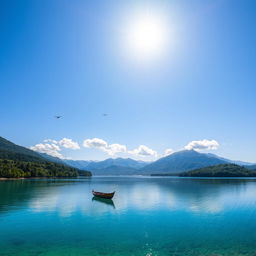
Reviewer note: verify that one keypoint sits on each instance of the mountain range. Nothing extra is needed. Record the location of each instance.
(96, 165)
(175, 163)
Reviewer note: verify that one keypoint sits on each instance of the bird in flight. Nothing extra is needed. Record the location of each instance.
(58, 117)
(104, 114)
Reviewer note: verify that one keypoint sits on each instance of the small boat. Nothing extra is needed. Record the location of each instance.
(103, 195)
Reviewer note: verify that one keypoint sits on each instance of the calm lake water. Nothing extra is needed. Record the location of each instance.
(148, 216)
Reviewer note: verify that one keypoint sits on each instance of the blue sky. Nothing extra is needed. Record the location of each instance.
(70, 58)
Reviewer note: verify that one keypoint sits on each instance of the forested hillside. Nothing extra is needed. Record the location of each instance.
(17, 169)
(222, 170)
(9, 150)
(18, 162)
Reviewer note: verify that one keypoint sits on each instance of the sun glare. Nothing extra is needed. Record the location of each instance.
(147, 36)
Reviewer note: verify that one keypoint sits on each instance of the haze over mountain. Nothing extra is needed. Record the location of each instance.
(95, 165)
(124, 162)
(231, 161)
(115, 170)
(181, 161)
(110, 166)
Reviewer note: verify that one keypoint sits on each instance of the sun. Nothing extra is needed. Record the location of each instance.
(147, 36)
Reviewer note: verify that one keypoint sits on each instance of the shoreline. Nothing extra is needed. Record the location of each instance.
(33, 178)
(12, 179)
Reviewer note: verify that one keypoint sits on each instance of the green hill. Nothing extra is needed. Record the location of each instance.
(9, 150)
(222, 170)
(251, 167)
(17, 161)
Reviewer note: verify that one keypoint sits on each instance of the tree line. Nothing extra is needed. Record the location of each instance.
(25, 169)
(222, 170)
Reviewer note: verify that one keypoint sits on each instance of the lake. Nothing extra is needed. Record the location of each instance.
(151, 216)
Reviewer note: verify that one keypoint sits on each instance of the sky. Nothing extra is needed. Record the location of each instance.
(137, 79)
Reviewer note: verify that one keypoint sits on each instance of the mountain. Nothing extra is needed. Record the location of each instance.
(181, 161)
(51, 158)
(124, 162)
(175, 163)
(17, 161)
(232, 161)
(110, 166)
(103, 166)
(9, 150)
(222, 170)
(115, 170)
(80, 164)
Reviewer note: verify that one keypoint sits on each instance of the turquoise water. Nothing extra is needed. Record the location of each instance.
(148, 216)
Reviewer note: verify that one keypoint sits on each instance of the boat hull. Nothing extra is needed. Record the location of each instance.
(103, 195)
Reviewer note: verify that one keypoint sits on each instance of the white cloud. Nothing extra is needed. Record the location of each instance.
(95, 143)
(69, 143)
(168, 152)
(65, 142)
(49, 149)
(53, 147)
(116, 148)
(113, 149)
(51, 141)
(143, 150)
(201, 145)
(102, 145)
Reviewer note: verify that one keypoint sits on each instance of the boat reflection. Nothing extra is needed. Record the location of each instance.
(104, 201)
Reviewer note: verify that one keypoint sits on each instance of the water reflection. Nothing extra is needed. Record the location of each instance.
(211, 196)
(104, 201)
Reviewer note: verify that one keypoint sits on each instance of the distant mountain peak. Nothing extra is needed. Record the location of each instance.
(180, 161)
(97, 167)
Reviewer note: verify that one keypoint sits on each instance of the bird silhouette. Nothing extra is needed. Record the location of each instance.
(104, 114)
(58, 117)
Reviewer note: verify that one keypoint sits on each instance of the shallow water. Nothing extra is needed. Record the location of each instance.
(148, 216)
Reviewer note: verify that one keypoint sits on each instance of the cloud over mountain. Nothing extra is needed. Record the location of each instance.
(168, 152)
(50, 149)
(68, 143)
(53, 147)
(200, 145)
(113, 149)
(102, 145)
(143, 150)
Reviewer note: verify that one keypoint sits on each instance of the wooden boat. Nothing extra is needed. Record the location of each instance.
(103, 195)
